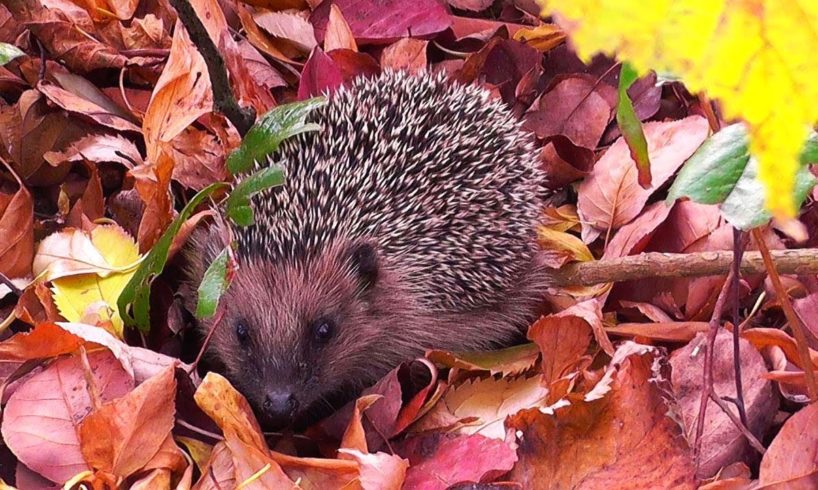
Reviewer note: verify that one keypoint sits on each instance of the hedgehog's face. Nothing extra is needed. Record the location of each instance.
(295, 338)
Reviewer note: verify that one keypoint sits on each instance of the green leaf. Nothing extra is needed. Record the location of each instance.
(214, 284)
(744, 208)
(722, 172)
(134, 302)
(9, 52)
(711, 173)
(238, 204)
(631, 127)
(270, 130)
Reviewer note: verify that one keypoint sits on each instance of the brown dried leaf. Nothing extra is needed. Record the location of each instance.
(634, 444)
(78, 105)
(230, 410)
(42, 417)
(66, 37)
(338, 35)
(124, 435)
(289, 26)
(219, 472)
(379, 471)
(563, 339)
(16, 233)
(405, 54)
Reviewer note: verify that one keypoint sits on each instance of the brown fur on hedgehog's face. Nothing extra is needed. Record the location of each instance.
(296, 336)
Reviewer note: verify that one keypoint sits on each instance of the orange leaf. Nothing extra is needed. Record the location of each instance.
(124, 435)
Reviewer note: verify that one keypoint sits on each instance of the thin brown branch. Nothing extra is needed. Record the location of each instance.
(223, 99)
(739, 244)
(216, 321)
(773, 269)
(751, 438)
(707, 378)
(657, 264)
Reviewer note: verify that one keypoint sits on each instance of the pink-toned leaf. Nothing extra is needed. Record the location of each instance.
(791, 461)
(381, 21)
(98, 148)
(632, 238)
(438, 460)
(579, 107)
(291, 26)
(41, 419)
(611, 196)
(722, 442)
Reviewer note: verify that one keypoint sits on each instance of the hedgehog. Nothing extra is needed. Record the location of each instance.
(407, 223)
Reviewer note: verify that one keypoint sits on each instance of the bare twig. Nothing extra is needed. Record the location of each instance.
(216, 321)
(739, 243)
(223, 99)
(789, 312)
(707, 378)
(199, 430)
(741, 426)
(657, 264)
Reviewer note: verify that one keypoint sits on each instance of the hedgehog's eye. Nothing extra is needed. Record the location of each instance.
(242, 332)
(322, 330)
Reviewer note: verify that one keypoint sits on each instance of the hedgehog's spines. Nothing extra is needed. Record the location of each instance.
(440, 175)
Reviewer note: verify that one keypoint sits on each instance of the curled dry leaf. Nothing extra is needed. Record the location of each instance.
(289, 26)
(481, 406)
(375, 21)
(42, 417)
(122, 436)
(791, 461)
(563, 340)
(219, 472)
(611, 196)
(16, 233)
(722, 442)
(98, 148)
(507, 362)
(635, 444)
(78, 105)
(379, 471)
(229, 409)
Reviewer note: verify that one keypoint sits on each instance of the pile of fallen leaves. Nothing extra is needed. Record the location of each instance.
(107, 129)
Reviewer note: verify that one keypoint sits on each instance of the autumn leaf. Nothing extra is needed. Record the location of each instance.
(88, 272)
(756, 57)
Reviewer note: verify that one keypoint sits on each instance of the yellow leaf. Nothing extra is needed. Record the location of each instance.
(92, 296)
(542, 38)
(756, 56)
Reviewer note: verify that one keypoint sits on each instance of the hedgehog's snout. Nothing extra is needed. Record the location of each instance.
(280, 406)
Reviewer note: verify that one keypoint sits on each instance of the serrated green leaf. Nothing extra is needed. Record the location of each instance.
(134, 302)
(631, 127)
(9, 52)
(214, 284)
(238, 204)
(722, 172)
(270, 130)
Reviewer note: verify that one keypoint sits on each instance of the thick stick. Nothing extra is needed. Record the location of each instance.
(657, 264)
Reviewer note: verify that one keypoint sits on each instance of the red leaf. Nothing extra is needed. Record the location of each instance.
(793, 454)
(320, 75)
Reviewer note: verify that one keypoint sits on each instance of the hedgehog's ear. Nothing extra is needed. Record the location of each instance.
(364, 259)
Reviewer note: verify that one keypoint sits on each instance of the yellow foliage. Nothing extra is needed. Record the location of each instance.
(80, 296)
(756, 56)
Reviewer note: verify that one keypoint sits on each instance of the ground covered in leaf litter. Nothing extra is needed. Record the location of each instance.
(108, 129)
